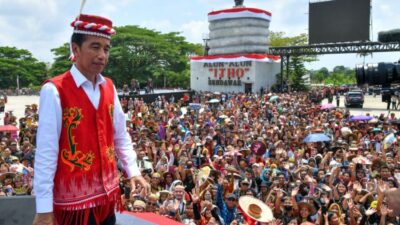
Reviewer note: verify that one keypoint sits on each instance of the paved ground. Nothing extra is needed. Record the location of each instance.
(372, 105)
(17, 105)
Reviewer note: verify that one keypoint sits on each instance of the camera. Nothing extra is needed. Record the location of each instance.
(127, 192)
(148, 171)
(171, 214)
(239, 218)
(378, 74)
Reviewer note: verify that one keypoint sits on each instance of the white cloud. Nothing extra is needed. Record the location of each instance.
(128, 2)
(289, 16)
(194, 30)
(28, 7)
(162, 25)
(5, 37)
(34, 25)
(385, 16)
(40, 25)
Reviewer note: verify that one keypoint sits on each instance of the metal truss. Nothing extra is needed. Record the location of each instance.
(337, 48)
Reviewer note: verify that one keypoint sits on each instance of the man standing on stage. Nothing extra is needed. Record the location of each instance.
(81, 128)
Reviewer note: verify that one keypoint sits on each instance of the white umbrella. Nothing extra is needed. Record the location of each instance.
(374, 120)
(223, 116)
(214, 100)
(346, 131)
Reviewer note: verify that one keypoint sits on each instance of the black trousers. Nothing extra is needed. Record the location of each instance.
(110, 220)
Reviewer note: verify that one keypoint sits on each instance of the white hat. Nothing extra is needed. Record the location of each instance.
(255, 209)
(139, 203)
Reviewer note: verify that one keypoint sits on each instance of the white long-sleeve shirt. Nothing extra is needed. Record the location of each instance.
(49, 131)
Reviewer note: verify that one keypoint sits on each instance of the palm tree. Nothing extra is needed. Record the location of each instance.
(364, 54)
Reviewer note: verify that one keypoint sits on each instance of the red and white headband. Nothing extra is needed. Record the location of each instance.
(91, 28)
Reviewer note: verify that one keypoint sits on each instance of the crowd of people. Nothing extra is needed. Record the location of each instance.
(200, 158)
(17, 150)
(134, 88)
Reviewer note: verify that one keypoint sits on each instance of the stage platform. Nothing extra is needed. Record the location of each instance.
(151, 97)
(21, 211)
(129, 218)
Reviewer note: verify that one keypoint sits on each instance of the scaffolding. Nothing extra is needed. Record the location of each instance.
(337, 48)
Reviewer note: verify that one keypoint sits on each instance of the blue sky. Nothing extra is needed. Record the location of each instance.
(40, 25)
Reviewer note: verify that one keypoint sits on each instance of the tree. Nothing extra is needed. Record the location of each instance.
(296, 68)
(341, 75)
(324, 71)
(61, 60)
(319, 76)
(19, 63)
(364, 54)
(140, 53)
(339, 69)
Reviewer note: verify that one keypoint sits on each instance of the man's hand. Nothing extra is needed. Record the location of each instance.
(352, 167)
(382, 187)
(294, 192)
(208, 205)
(234, 222)
(385, 210)
(276, 222)
(280, 193)
(44, 219)
(357, 187)
(143, 183)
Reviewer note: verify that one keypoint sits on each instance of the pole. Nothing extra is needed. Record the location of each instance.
(165, 80)
(17, 84)
(282, 58)
(287, 72)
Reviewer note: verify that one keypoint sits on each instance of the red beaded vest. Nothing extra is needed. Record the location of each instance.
(87, 174)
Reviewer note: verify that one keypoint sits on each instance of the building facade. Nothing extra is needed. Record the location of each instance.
(237, 60)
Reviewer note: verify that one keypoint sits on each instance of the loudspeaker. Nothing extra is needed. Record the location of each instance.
(21, 210)
(18, 210)
(389, 36)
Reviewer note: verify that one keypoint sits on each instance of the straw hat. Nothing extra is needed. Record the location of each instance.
(245, 181)
(139, 203)
(166, 192)
(245, 149)
(361, 160)
(255, 209)
(156, 175)
(310, 207)
(353, 146)
(346, 131)
(235, 175)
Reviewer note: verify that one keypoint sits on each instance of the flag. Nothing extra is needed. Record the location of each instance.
(389, 140)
